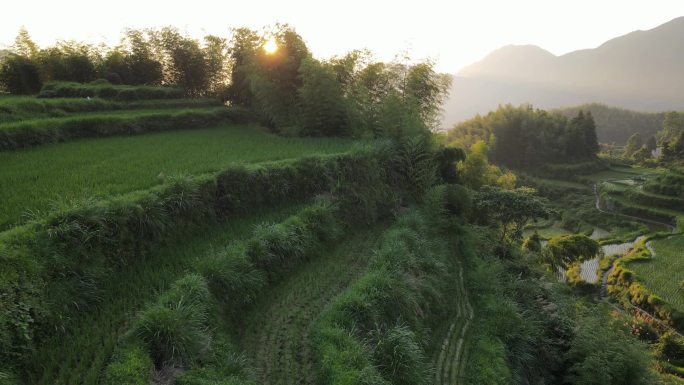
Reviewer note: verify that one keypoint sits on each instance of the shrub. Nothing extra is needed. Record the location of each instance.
(20, 75)
(232, 277)
(99, 82)
(109, 91)
(670, 347)
(175, 329)
(402, 361)
(131, 366)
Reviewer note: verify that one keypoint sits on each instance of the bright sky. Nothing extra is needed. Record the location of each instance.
(452, 33)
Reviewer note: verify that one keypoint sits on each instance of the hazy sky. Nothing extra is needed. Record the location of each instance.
(452, 33)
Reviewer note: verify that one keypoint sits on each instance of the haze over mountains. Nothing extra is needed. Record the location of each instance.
(641, 70)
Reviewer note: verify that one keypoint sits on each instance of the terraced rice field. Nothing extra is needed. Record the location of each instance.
(86, 346)
(38, 178)
(664, 274)
(276, 333)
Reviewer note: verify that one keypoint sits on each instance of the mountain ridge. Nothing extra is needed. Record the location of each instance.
(639, 70)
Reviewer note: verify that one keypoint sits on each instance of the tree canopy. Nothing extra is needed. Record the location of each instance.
(566, 250)
(523, 137)
(511, 210)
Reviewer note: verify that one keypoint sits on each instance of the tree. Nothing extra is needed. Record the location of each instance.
(642, 154)
(24, 45)
(142, 64)
(651, 144)
(242, 50)
(523, 137)
(510, 210)
(321, 100)
(186, 64)
(673, 124)
(533, 243)
(590, 145)
(476, 171)
(633, 145)
(216, 57)
(566, 250)
(68, 61)
(427, 89)
(20, 75)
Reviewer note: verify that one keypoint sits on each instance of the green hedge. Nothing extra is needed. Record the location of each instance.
(16, 109)
(15, 136)
(132, 366)
(108, 91)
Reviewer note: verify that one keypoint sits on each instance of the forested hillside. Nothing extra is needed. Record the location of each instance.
(615, 124)
(527, 137)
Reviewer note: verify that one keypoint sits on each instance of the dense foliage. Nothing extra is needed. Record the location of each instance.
(287, 89)
(144, 57)
(351, 95)
(524, 137)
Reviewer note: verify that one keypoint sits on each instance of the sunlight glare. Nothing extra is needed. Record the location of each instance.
(270, 47)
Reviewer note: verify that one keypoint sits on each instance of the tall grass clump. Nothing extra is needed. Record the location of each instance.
(131, 366)
(175, 329)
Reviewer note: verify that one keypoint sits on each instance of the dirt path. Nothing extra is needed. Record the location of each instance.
(453, 352)
(277, 330)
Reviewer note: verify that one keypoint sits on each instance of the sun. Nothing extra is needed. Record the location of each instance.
(270, 47)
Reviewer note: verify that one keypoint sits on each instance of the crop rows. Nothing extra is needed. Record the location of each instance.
(277, 332)
(36, 179)
(452, 357)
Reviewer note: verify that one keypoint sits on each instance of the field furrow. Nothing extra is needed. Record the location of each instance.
(276, 334)
(452, 355)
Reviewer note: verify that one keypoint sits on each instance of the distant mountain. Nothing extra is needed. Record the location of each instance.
(614, 124)
(641, 71)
